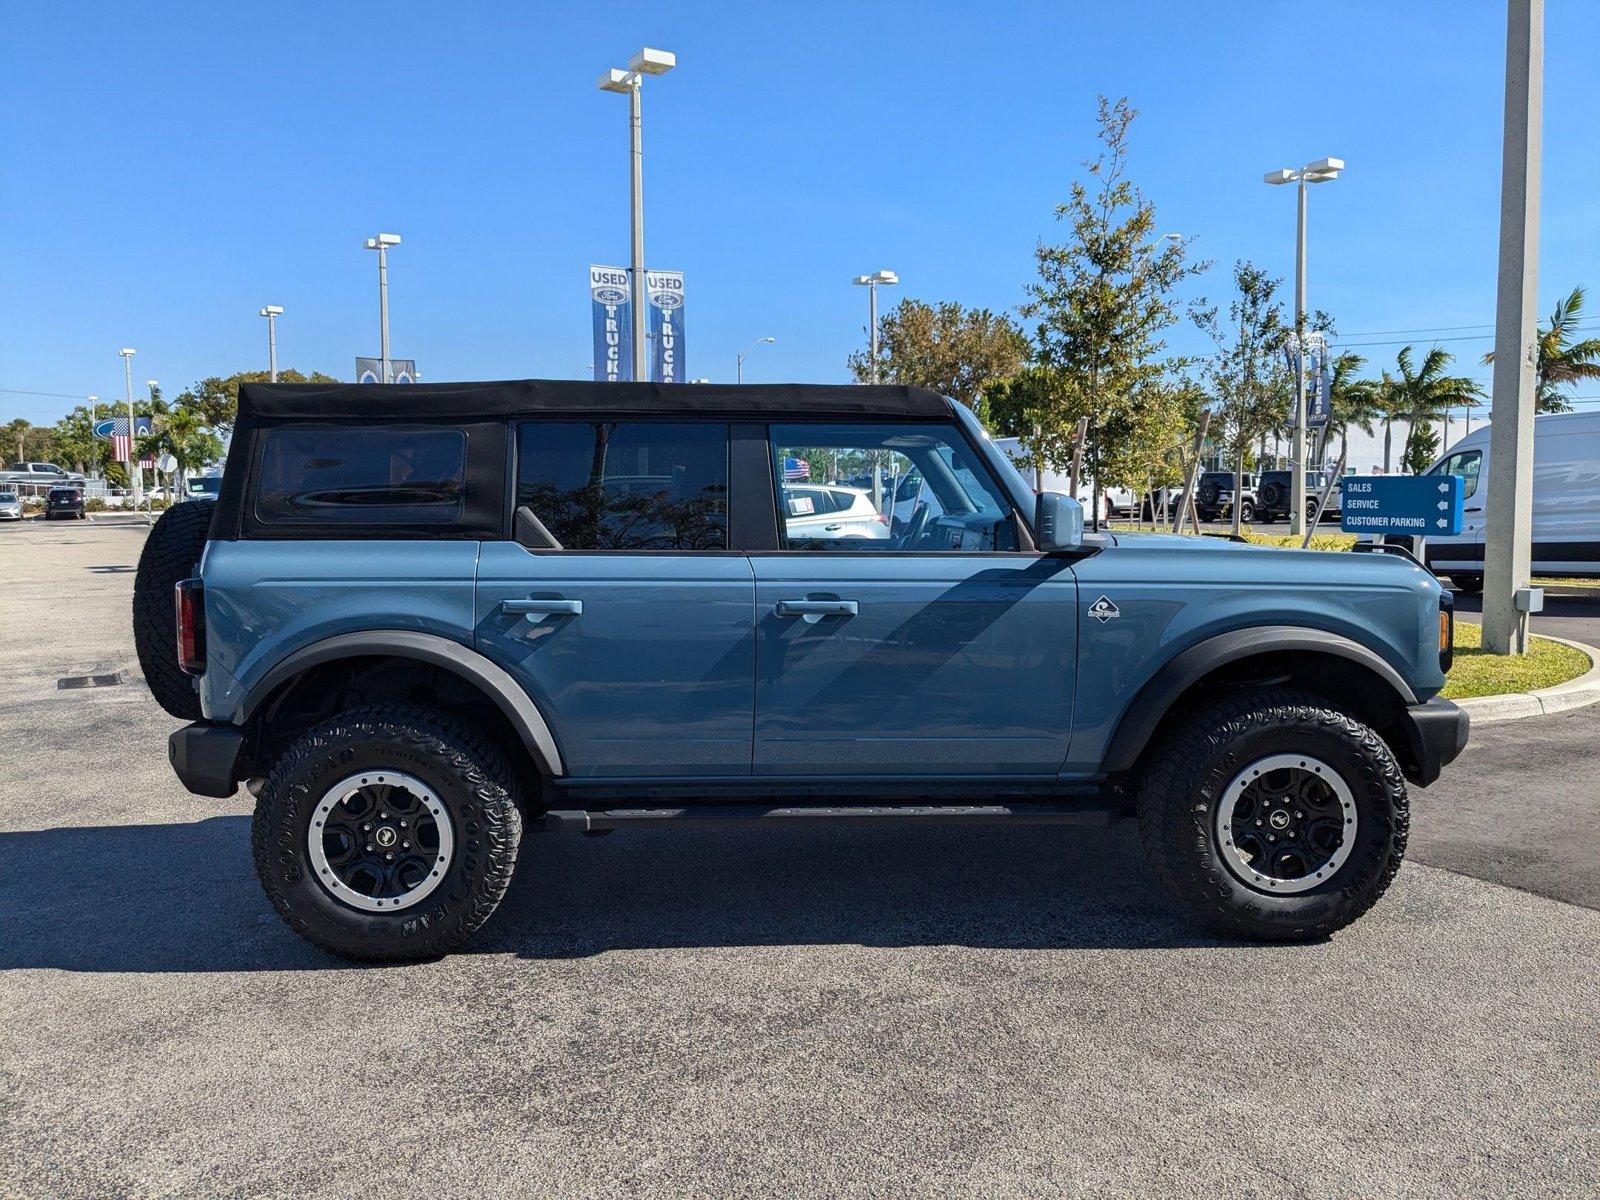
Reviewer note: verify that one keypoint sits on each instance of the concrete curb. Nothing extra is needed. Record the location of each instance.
(1575, 693)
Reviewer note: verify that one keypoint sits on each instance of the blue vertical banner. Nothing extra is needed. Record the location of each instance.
(666, 325)
(613, 326)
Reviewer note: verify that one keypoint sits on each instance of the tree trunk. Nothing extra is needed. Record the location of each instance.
(1238, 489)
(1388, 438)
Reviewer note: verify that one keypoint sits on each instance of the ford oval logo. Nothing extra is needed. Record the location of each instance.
(610, 295)
(667, 299)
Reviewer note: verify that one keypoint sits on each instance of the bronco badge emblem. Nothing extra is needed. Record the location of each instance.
(1103, 610)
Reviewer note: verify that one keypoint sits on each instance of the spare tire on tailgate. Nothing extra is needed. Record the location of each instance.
(171, 553)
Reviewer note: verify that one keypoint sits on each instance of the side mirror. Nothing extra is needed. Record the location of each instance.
(1058, 522)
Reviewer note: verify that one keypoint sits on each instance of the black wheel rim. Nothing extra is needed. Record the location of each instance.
(380, 840)
(1286, 824)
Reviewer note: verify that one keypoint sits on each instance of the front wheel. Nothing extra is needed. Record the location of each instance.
(1247, 512)
(388, 832)
(1470, 585)
(1275, 815)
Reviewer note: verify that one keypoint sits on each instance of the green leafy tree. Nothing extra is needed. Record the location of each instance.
(1421, 393)
(181, 433)
(1562, 362)
(1248, 375)
(1104, 299)
(76, 443)
(953, 350)
(216, 398)
(27, 442)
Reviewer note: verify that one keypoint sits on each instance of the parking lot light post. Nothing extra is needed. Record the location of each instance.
(1322, 171)
(381, 244)
(739, 370)
(135, 475)
(1508, 525)
(871, 282)
(631, 83)
(272, 312)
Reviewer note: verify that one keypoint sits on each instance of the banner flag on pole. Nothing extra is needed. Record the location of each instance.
(401, 370)
(666, 325)
(613, 327)
(116, 428)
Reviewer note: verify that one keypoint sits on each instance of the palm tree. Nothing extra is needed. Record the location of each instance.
(1421, 393)
(181, 432)
(1562, 361)
(1351, 401)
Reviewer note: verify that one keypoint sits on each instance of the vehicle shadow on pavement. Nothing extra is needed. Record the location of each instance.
(1053, 887)
(183, 897)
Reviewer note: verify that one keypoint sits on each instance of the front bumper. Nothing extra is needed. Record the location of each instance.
(1435, 734)
(205, 757)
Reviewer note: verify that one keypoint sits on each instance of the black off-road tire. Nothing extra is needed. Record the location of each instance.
(171, 552)
(1469, 585)
(467, 772)
(1184, 782)
(1247, 512)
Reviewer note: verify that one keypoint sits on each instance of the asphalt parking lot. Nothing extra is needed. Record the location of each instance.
(865, 1012)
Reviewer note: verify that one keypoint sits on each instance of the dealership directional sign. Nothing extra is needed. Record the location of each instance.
(1420, 505)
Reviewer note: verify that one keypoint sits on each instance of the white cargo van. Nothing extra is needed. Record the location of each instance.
(1566, 501)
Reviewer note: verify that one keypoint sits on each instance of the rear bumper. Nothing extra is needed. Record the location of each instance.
(1435, 733)
(205, 757)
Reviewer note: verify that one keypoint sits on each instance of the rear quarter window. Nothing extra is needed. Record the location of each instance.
(344, 475)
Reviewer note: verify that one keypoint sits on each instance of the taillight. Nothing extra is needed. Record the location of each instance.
(1447, 631)
(190, 595)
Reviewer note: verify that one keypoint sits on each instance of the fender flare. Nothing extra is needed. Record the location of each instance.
(468, 664)
(1150, 705)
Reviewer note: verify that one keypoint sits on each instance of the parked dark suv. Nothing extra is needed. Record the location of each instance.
(64, 502)
(1272, 496)
(1214, 496)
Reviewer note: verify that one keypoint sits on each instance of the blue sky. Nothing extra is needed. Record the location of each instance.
(165, 170)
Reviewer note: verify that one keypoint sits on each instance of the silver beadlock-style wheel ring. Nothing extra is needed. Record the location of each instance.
(380, 841)
(1286, 824)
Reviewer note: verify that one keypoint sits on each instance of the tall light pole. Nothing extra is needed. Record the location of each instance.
(1508, 524)
(739, 372)
(94, 419)
(273, 311)
(1321, 171)
(871, 282)
(135, 474)
(630, 82)
(381, 244)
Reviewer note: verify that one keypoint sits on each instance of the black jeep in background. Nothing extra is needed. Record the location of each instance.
(1214, 496)
(1272, 497)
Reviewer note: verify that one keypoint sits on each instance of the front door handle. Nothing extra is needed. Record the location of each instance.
(812, 611)
(537, 610)
(1478, 509)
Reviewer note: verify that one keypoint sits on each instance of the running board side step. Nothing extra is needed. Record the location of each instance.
(582, 820)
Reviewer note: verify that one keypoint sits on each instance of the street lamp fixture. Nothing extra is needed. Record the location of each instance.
(630, 83)
(1324, 170)
(272, 312)
(381, 244)
(764, 341)
(135, 473)
(872, 282)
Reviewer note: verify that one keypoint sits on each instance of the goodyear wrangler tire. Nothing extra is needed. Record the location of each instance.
(1275, 815)
(171, 552)
(389, 832)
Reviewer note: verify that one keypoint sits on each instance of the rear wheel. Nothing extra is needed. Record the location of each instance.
(1472, 585)
(1247, 512)
(389, 832)
(1275, 815)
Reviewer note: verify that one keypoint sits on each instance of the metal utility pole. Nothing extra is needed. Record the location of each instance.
(381, 244)
(1321, 171)
(1508, 527)
(273, 311)
(631, 82)
(135, 472)
(871, 282)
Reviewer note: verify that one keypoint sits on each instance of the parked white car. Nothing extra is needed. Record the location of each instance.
(10, 506)
(831, 512)
(1566, 501)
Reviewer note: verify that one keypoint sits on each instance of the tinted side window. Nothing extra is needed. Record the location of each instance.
(361, 476)
(626, 485)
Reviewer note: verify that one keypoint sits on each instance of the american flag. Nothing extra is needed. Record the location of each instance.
(122, 444)
(796, 468)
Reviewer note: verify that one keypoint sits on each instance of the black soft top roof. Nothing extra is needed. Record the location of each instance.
(567, 397)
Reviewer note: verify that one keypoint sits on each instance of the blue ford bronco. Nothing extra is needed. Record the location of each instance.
(418, 620)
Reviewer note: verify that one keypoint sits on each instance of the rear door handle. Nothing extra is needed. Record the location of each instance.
(537, 610)
(1478, 509)
(812, 611)
(833, 528)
